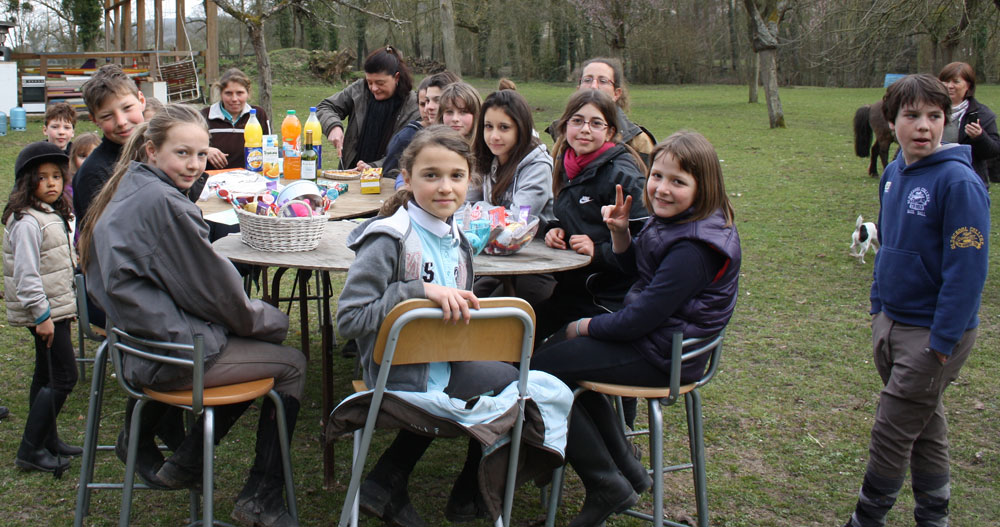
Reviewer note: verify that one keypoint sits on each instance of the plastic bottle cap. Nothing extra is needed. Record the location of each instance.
(291, 112)
(312, 108)
(253, 111)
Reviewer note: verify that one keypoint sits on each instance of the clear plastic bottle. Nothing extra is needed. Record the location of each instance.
(291, 138)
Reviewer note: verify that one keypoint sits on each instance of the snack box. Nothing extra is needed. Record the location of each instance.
(371, 181)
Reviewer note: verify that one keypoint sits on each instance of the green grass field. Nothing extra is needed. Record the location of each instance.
(788, 416)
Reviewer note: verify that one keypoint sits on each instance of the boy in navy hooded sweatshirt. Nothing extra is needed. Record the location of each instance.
(929, 274)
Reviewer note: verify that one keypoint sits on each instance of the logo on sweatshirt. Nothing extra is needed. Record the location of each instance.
(917, 201)
(965, 237)
(585, 200)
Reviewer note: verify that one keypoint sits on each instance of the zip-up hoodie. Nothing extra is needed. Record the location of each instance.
(934, 226)
(386, 271)
(532, 185)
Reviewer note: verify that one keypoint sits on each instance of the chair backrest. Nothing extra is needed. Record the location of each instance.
(703, 345)
(81, 308)
(415, 333)
(121, 343)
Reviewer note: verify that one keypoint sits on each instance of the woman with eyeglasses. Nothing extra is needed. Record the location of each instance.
(605, 74)
(590, 160)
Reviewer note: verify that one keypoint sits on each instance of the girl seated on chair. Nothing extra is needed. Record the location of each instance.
(414, 249)
(145, 251)
(687, 262)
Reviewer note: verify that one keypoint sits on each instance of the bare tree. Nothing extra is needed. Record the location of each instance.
(616, 19)
(451, 58)
(764, 39)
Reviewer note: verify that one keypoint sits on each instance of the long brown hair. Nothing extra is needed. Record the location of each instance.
(22, 196)
(152, 132)
(604, 104)
(696, 156)
(435, 135)
(516, 107)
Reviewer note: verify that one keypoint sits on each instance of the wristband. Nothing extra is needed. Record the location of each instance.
(578, 328)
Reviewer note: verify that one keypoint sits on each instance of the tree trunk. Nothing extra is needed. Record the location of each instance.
(733, 38)
(451, 59)
(754, 78)
(769, 65)
(256, 31)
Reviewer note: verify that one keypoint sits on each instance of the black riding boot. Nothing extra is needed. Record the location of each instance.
(182, 470)
(607, 489)
(32, 454)
(465, 503)
(52, 442)
(148, 458)
(624, 453)
(262, 500)
(384, 492)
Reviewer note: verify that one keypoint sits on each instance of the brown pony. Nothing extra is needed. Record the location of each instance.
(869, 119)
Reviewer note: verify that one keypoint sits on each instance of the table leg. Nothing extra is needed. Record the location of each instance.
(508, 285)
(302, 277)
(326, 349)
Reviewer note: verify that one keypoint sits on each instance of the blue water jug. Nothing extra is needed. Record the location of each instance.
(18, 119)
(3, 124)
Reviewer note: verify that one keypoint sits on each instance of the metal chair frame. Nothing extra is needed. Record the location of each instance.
(412, 311)
(83, 330)
(656, 399)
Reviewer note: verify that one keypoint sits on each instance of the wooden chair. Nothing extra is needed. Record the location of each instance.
(655, 399)
(413, 333)
(199, 400)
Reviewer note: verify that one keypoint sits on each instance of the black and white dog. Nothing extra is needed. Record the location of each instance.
(865, 236)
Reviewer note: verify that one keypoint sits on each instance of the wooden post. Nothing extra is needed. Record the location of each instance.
(127, 25)
(158, 24)
(140, 24)
(107, 26)
(211, 42)
(118, 28)
(182, 43)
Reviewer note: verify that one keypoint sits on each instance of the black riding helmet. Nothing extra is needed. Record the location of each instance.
(37, 153)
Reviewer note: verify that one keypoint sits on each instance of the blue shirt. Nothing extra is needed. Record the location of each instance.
(441, 252)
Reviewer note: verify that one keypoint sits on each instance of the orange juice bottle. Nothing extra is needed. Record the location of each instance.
(291, 141)
(253, 137)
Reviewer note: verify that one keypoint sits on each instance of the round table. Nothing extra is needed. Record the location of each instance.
(332, 254)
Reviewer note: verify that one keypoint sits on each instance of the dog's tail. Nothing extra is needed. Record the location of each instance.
(862, 132)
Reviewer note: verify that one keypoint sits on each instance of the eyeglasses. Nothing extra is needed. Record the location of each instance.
(596, 125)
(603, 81)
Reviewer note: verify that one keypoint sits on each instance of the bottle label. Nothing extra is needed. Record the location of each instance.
(309, 169)
(254, 158)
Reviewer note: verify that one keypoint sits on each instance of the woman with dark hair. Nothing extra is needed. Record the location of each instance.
(971, 122)
(376, 108)
(227, 118)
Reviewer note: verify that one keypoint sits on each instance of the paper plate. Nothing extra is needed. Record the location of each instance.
(341, 175)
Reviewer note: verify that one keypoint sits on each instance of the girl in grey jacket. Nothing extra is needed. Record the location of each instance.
(38, 263)
(418, 251)
(151, 268)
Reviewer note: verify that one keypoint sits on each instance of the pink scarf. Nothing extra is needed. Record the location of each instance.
(575, 164)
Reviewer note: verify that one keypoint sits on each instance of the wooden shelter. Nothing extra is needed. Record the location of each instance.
(118, 36)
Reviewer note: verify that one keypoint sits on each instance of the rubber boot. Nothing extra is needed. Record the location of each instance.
(52, 442)
(4, 412)
(608, 491)
(148, 459)
(170, 427)
(182, 470)
(878, 495)
(384, 492)
(465, 503)
(623, 452)
(262, 500)
(32, 454)
(931, 494)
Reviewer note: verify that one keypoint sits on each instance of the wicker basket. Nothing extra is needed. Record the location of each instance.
(277, 234)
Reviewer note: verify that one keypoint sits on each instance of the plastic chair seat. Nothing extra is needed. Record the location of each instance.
(217, 395)
(624, 390)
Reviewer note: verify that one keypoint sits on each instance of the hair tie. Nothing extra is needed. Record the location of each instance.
(388, 49)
